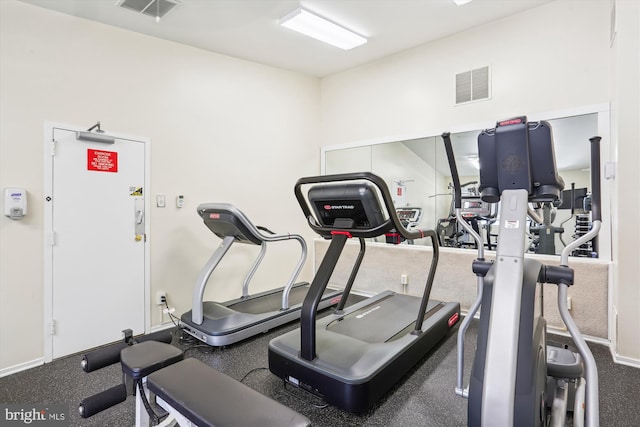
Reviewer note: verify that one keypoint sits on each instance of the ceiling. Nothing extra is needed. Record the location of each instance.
(248, 29)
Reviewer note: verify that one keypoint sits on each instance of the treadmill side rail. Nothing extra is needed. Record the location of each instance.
(201, 283)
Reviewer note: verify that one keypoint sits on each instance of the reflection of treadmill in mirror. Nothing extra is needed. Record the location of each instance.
(353, 357)
(410, 217)
(220, 324)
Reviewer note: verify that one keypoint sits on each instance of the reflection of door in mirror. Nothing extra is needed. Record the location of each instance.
(408, 169)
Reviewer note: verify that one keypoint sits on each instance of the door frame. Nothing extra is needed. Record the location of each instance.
(49, 151)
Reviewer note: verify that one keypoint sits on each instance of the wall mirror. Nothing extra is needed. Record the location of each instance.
(417, 174)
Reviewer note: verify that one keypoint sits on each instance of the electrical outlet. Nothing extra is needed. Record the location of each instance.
(404, 281)
(161, 297)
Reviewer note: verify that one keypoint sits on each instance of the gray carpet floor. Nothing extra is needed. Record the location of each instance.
(424, 397)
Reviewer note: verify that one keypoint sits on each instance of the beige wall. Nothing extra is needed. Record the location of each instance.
(383, 265)
(221, 129)
(555, 57)
(550, 58)
(625, 134)
(203, 112)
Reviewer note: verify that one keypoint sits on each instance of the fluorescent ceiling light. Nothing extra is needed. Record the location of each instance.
(461, 2)
(312, 25)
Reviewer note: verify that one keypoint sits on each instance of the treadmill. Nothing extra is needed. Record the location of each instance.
(220, 324)
(353, 357)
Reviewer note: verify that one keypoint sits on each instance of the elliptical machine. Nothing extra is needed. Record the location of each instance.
(513, 366)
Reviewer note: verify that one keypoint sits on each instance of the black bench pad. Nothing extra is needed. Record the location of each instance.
(207, 397)
(141, 359)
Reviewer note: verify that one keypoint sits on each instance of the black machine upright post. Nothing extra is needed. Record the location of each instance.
(352, 277)
(595, 179)
(311, 301)
(427, 289)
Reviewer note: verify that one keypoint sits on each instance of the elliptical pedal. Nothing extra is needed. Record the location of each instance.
(563, 363)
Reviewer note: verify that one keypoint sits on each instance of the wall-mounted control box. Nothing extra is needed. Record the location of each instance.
(15, 202)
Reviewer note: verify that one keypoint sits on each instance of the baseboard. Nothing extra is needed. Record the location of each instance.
(21, 367)
(622, 360)
(162, 327)
(564, 333)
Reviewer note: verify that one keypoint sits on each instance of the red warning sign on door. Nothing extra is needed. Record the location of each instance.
(102, 161)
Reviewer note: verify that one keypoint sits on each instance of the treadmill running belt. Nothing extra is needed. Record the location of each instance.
(381, 321)
(273, 301)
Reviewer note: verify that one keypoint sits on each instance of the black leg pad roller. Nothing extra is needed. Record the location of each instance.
(207, 397)
(140, 360)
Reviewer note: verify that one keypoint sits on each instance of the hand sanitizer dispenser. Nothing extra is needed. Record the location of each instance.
(15, 202)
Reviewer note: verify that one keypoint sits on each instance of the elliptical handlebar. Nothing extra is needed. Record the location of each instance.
(457, 194)
(596, 206)
(457, 188)
(460, 390)
(592, 414)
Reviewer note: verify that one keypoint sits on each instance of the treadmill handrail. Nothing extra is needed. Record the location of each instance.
(201, 283)
(432, 273)
(352, 276)
(197, 311)
(392, 222)
(253, 269)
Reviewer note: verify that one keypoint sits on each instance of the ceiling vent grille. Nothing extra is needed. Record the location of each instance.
(472, 85)
(153, 8)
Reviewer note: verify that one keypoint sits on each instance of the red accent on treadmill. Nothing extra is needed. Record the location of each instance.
(214, 216)
(394, 238)
(336, 300)
(453, 319)
(346, 233)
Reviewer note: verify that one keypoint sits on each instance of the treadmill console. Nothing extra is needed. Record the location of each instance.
(473, 207)
(226, 220)
(409, 216)
(355, 201)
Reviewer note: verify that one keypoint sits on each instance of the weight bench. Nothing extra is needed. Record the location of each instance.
(194, 393)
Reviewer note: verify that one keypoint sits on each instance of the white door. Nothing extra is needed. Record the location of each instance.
(96, 227)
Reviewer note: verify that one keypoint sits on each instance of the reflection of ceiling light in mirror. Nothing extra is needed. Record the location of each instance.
(461, 2)
(474, 161)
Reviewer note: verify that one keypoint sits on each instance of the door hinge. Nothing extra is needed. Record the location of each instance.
(53, 147)
(52, 327)
(52, 238)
